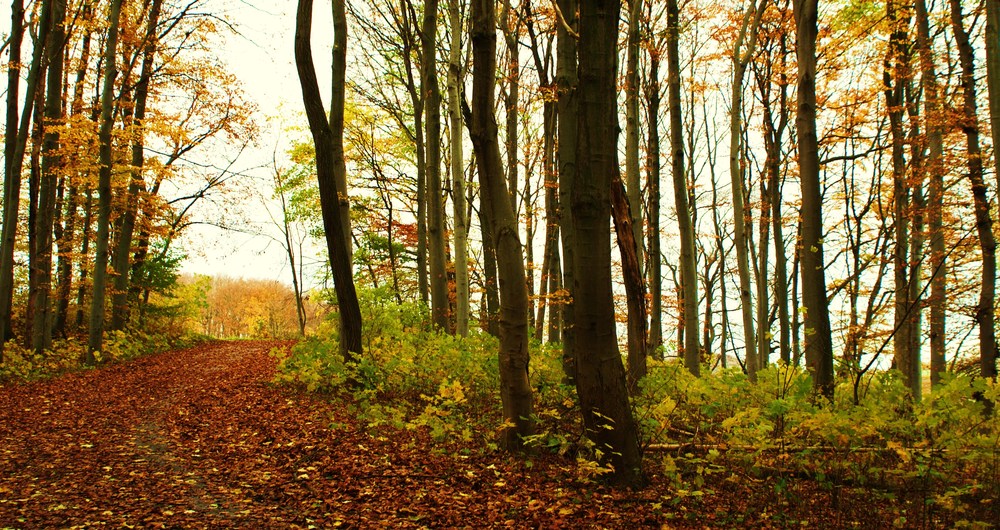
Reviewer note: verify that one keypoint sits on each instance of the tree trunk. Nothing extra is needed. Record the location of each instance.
(515, 388)
(460, 232)
(120, 258)
(567, 81)
(685, 226)
(95, 341)
(437, 262)
(328, 140)
(600, 380)
(632, 185)
(635, 287)
(984, 222)
(818, 342)
(15, 142)
(653, 210)
(41, 329)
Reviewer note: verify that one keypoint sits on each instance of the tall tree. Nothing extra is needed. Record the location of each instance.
(685, 225)
(41, 330)
(600, 375)
(934, 165)
(460, 232)
(741, 59)
(981, 204)
(136, 183)
(435, 208)
(515, 388)
(818, 340)
(95, 339)
(567, 106)
(635, 12)
(326, 139)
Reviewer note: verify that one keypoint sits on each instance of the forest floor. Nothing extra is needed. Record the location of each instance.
(201, 438)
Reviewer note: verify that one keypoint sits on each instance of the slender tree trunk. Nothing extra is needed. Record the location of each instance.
(120, 258)
(460, 232)
(981, 203)
(819, 340)
(515, 388)
(741, 59)
(632, 185)
(326, 139)
(95, 341)
(600, 378)
(685, 226)
(635, 287)
(653, 210)
(41, 329)
(567, 81)
(15, 142)
(993, 76)
(435, 207)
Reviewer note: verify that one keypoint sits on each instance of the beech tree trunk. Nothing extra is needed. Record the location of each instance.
(440, 304)
(600, 377)
(460, 232)
(95, 340)
(981, 203)
(328, 140)
(567, 86)
(818, 339)
(685, 226)
(515, 388)
(41, 329)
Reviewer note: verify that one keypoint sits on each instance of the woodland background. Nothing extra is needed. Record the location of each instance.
(798, 194)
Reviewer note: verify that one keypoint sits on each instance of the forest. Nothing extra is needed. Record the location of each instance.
(680, 254)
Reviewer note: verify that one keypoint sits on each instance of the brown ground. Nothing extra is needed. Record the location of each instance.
(200, 438)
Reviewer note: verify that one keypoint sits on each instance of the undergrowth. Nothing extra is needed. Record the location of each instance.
(23, 364)
(943, 451)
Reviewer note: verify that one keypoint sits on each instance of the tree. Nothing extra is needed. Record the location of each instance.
(440, 305)
(515, 389)
(95, 339)
(326, 137)
(984, 222)
(818, 339)
(460, 232)
(600, 375)
(685, 224)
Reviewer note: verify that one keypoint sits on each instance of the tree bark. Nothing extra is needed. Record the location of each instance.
(95, 340)
(685, 226)
(818, 340)
(600, 380)
(326, 138)
(654, 261)
(41, 329)
(515, 388)
(567, 86)
(460, 232)
(440, 304)
(981, 203)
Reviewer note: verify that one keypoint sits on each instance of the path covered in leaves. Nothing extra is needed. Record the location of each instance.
(201, 438)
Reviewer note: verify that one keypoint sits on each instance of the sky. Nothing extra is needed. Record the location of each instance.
(260, 55)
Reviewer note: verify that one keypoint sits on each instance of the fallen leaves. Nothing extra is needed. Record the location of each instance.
(200, 438)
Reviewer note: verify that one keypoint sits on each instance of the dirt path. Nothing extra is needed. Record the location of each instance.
(199, 438)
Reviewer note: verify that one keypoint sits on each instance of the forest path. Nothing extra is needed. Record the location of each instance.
(201, 438)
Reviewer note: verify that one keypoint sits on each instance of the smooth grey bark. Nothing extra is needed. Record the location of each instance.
(632, 185)
(741, 59)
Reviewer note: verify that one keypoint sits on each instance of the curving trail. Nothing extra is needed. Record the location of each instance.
(200, 438)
